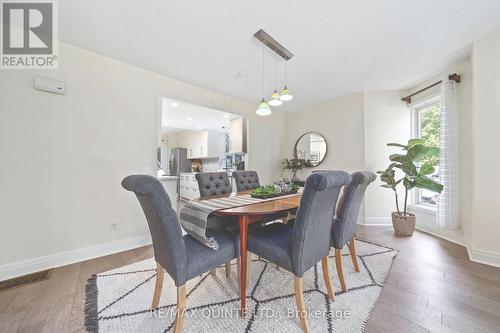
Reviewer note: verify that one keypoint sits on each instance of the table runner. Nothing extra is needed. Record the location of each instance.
(194, 215)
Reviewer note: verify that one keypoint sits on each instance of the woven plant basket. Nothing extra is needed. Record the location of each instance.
(403, 225)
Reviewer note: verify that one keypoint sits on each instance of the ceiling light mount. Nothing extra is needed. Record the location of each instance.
(273, 44)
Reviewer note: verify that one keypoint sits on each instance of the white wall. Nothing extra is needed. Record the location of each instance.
(387, 119)
(63, 157)
(341, 123)
(486, 134)
(479, 114)
(356, 128)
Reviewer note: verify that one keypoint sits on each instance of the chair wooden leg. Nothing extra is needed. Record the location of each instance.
(181, 308)
(228, 269)
(158, 287)
(299, 299)
(326, 277)
(340, 272)
(354, 258)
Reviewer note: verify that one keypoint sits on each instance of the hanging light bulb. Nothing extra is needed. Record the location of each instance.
(263, 109)
(275, 97)
(285, 94)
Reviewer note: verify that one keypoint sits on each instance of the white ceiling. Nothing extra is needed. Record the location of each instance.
(340, 46)
(178, 116)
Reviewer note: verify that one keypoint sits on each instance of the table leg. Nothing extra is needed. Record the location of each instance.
(243, 221)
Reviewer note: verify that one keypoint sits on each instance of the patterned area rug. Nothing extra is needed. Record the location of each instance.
(119, 300)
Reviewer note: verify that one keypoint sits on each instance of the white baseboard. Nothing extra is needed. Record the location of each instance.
(375, 222)
(476, 255)
(484, 257)
(450, 236)
(28, 266)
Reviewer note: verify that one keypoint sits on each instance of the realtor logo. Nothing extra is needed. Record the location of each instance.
(29, 38)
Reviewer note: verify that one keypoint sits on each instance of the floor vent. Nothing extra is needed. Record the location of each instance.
(25, 280)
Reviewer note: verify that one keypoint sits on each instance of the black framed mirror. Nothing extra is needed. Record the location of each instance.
(311, 146)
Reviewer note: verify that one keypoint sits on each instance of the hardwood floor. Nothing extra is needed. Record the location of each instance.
(432, 287)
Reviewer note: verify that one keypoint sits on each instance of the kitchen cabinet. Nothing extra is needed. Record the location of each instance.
(238, 135)
(188, 186)
(170, 185)
(203, 144)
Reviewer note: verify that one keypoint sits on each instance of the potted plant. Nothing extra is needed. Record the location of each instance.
(295, 164)
(416, 152)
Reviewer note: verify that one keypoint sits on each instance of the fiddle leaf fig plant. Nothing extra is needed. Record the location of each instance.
(414, 176)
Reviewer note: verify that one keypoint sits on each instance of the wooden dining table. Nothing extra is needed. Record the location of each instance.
(248, 214)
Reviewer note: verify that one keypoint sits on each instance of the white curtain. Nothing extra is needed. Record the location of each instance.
(449, 199)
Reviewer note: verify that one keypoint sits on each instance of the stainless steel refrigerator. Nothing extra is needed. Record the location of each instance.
(178, 163)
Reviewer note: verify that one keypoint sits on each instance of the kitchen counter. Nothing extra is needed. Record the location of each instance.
(167, 178)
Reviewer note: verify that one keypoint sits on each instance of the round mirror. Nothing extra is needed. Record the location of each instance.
(311, 146)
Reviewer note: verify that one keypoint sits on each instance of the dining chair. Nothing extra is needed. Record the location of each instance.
(216, 183)
(182, 257)
(245, 180)
(346, 220)
(213, 183)
(298, 247)
(248, 180)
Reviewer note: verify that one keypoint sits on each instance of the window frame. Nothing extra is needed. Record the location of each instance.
(416, 133)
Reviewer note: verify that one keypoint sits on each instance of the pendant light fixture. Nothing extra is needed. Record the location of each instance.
(275, 97)
(263, 109)
(285, 94)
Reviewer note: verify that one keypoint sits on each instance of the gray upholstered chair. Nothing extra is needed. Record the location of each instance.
(298, 247)
(245, 180)
(346, 220)
(182, 257)
(216, 183)
(248, 180)
(213, 183)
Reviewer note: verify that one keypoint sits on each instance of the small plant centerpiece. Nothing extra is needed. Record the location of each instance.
(279, 188)
(416, 153)
(295, 164)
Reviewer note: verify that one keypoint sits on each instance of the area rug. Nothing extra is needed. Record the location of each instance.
(118, 300)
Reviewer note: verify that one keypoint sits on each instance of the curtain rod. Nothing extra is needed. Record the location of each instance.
(454, 77)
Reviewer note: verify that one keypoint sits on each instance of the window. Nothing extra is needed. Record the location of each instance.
(426, 126)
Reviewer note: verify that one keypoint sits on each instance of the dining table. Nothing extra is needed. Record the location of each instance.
(248, 214)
